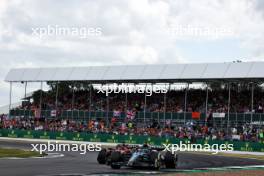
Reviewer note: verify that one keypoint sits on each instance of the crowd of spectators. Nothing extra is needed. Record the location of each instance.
(240, 101)
(173, 101)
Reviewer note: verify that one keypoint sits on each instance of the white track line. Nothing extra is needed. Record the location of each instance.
(50, 155)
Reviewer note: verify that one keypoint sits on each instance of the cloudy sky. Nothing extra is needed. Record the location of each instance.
(126, 32)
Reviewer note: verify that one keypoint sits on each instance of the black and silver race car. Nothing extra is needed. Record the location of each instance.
(139, 156)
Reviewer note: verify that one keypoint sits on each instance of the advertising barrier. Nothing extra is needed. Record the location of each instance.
(130, 139)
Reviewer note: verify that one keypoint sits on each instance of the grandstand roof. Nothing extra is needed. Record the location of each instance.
(129, 73)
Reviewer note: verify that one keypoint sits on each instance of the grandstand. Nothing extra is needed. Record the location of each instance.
(235, 102)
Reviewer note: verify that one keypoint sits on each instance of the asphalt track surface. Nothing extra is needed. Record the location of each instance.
(72, 163)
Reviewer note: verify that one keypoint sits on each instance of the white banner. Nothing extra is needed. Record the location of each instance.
(53, 113)
(219, 115)
(236, 137)
(116, 113)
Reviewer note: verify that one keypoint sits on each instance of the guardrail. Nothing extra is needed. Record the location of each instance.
(130, 139)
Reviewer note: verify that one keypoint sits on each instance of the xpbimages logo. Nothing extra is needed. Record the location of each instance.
(61, 147)
(183, 147)
(56, 31)
(123, 88)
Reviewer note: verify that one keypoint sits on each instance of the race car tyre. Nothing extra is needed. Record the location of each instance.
(115, 157)
(154, 158)
(176, 158)
(101, 158)
(153, 155)
(157, 164)
(170, 161)
(113, 166)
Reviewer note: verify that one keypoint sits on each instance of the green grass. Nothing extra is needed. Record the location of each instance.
(18, 153)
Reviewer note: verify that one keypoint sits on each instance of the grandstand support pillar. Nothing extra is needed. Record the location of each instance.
(25, 96)
(252, 101)
(228, 106)
(107, 106)
(126, 100)
(185, 102)
(90, 101)
(164, 110)
(206, 103)
(56, 101)
(206, 99)
(145, 102)
(40, 97)
(10, 100)
(72, 103)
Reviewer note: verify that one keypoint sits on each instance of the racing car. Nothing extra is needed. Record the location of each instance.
(138, 156)
(105, 156)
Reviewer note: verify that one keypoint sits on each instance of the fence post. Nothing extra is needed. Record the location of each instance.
(10, 100)
(185, 101)
(145, 103)
(236, 119)
(252, 102)
(40, 99)
(56, 101)
(259, 118)
(228, 109)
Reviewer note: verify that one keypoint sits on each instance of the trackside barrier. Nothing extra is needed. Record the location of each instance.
(130, 139)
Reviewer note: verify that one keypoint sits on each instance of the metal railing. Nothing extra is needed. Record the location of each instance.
(235, 119)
